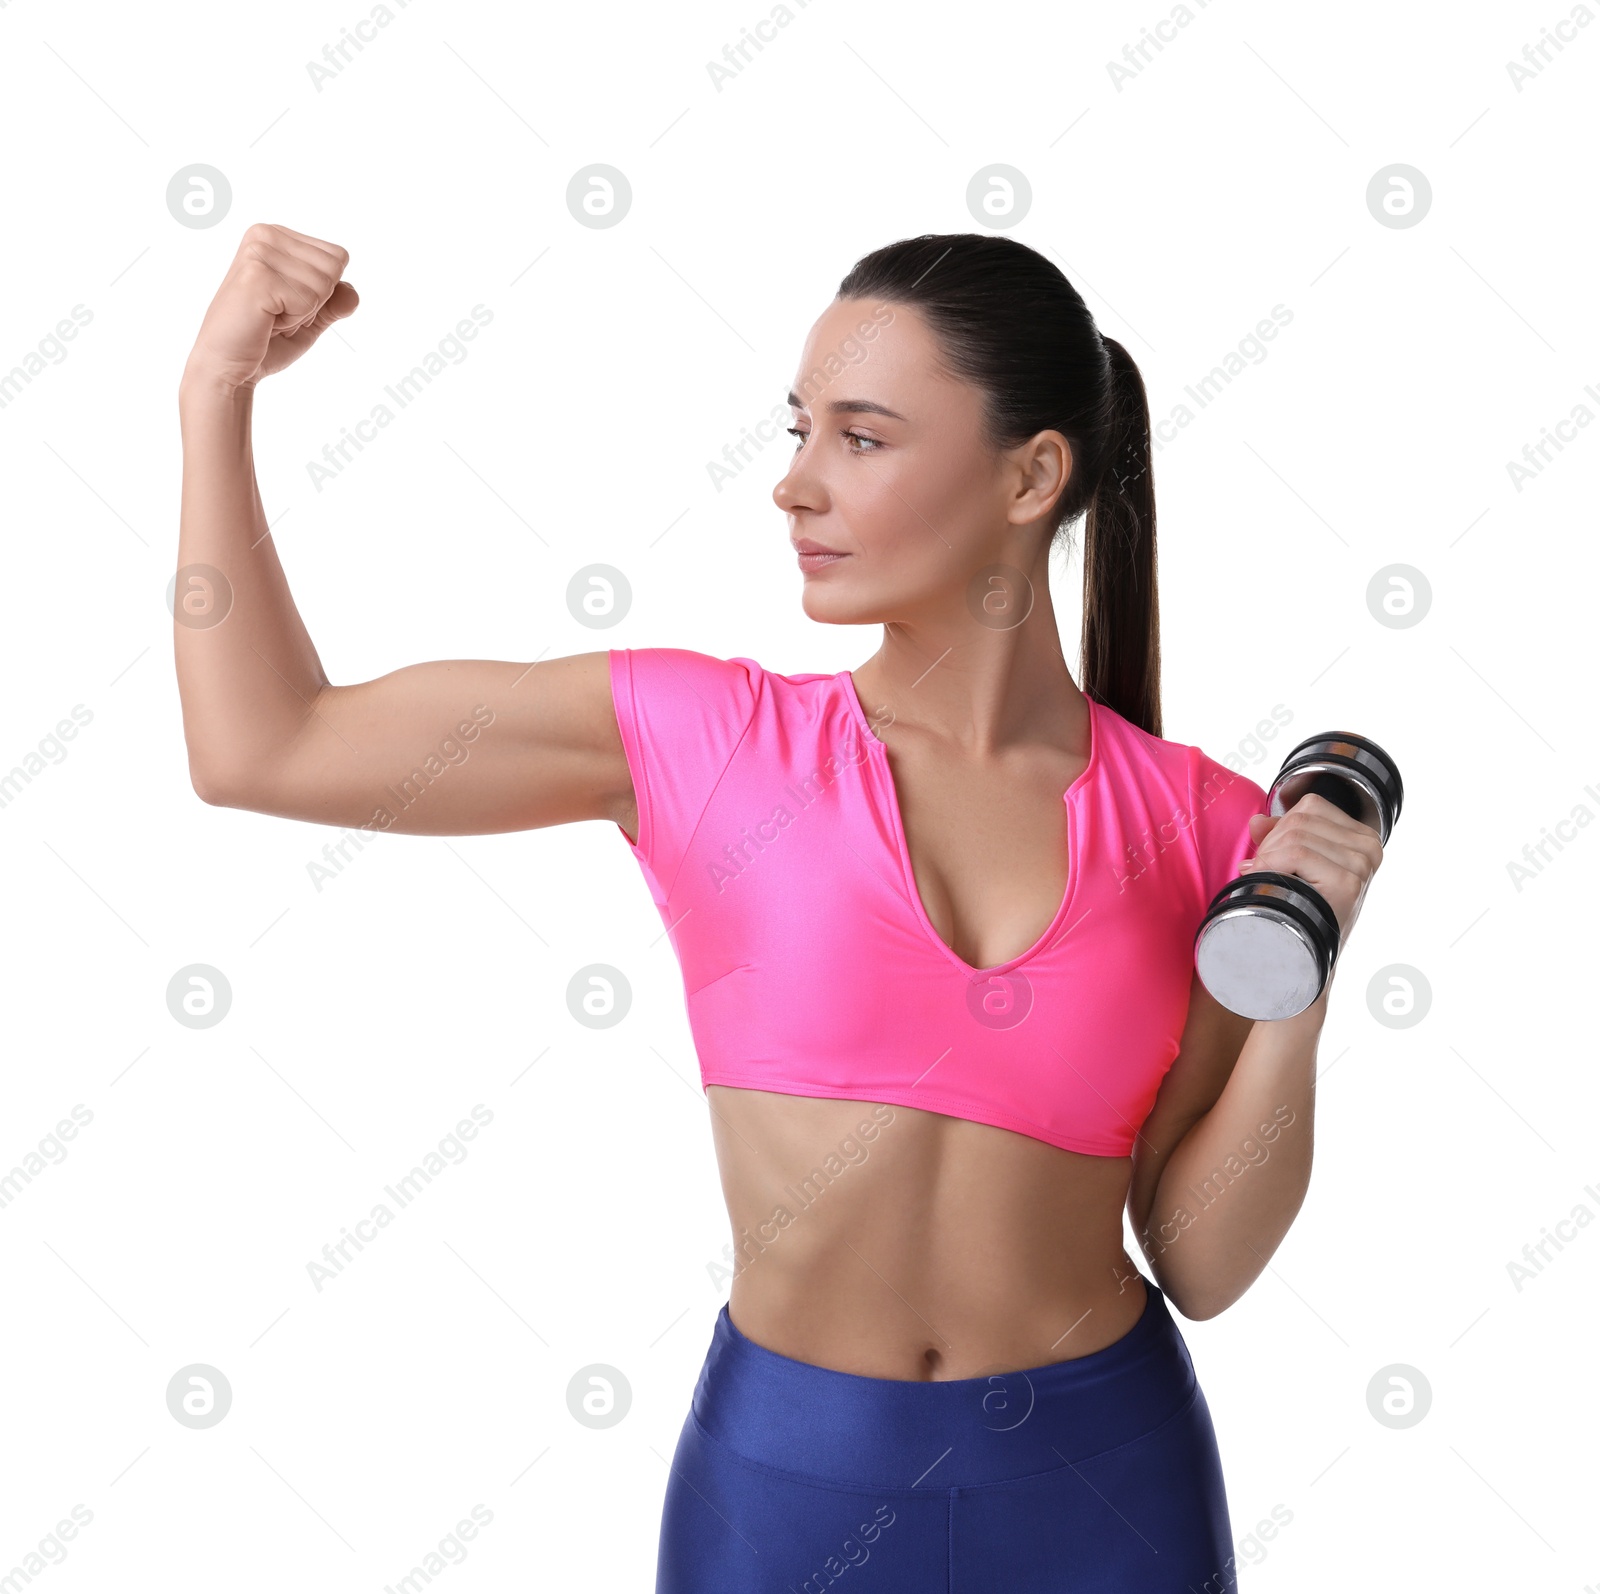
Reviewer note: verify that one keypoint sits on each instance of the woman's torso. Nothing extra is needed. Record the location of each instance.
(946, 1248)
(1008, 943)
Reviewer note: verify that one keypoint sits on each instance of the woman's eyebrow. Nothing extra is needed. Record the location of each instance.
(849, 407)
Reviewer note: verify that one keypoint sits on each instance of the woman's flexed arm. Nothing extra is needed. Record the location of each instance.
(1223, 1163)
(451, 747)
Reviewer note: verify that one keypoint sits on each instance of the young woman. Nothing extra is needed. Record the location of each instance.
(935, 920)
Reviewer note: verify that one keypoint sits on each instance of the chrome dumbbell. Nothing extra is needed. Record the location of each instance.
(1268, 942)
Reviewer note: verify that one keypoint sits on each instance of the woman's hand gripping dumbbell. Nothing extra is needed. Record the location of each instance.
(1268, 942)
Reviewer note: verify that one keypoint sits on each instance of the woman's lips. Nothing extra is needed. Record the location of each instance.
(818, 561)
(816, 555)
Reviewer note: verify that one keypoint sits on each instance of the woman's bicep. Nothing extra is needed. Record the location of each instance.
(452, 747)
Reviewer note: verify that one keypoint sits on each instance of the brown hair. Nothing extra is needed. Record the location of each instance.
(1009, 322)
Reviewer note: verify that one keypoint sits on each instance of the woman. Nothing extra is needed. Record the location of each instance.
(935, 920)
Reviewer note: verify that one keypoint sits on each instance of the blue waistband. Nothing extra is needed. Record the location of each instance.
(891, 1433)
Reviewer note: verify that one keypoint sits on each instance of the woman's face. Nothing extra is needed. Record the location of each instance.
(890, 470)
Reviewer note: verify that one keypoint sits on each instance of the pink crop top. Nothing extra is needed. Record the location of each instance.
(771, 841)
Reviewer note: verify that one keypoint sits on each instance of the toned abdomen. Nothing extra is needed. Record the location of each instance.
(897, 1243)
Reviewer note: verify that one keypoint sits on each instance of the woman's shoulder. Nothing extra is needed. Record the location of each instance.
(695, 669)
(688, 686)
(682, 688)
(1183, 766)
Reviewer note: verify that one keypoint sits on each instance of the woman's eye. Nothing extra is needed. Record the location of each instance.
(795, 432)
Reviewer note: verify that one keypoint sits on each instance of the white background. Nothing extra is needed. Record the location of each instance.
(1227, 176)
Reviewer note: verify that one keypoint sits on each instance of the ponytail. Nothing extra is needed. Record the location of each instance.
(1120, 662)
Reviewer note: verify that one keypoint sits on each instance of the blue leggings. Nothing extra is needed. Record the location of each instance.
(1099, 1473)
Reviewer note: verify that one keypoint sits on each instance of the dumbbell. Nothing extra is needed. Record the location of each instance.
(1268, 942)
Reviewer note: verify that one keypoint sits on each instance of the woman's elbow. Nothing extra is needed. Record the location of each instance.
(216, 787)
(1197, 1304)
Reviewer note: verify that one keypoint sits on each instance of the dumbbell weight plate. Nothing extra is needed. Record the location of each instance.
(1266, 946)
(1352, 772)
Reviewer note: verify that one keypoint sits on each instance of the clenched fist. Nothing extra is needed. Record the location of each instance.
(1323, 846)
(283, 290)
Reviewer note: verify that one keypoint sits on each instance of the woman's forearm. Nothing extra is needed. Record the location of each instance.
(1235, 1181)
(247, 680)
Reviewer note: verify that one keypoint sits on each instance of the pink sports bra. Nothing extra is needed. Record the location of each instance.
(771, 841)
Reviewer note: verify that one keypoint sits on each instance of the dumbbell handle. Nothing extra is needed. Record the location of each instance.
(1343, 794)
(1354, 774)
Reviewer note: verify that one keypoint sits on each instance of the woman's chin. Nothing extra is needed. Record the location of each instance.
(834, 608)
